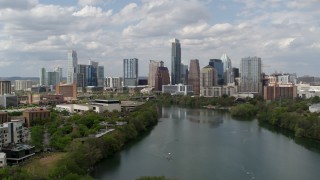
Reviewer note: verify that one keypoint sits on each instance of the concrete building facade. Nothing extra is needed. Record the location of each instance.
(194, 76)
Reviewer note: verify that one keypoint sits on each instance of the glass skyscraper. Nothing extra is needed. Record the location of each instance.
(130, 72)
(218, 65)
(251, 75)
(72, 67)
(175, 62)
(227, 69)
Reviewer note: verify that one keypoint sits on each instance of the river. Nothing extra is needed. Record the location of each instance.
(194, 144)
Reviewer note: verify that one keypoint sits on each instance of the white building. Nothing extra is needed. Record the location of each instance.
(13, 132)
(98, 106)
(178, 89)
(307, 91)
(3, 160)
(218, 91)
(314, 108)
(22, 85)
(114, 82)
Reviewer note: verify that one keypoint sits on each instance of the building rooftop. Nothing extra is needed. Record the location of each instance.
(18, 147)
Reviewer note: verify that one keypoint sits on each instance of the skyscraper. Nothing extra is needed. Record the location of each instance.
(184, 74)
(52, 78)
(194, 76)
(100, 76)
(175, 62)
(130, 72)
(59, 70)
(208, 76)
(251, 75)
(162, 77)
(153, 66)
(42, 76)
(218, 65)
(227, 69)
(72, 67)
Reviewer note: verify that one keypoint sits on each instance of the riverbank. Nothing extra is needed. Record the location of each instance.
(81, 156)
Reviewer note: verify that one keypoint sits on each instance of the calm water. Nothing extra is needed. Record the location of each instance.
(207, 144)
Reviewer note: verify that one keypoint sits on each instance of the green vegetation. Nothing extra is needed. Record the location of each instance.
(292, 115)
(81, 153)
(37, 136)
(188, 101)
(244, 110)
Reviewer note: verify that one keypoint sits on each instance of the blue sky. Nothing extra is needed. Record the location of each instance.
(38, 33)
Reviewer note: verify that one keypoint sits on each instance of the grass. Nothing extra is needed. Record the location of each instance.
(41, 165)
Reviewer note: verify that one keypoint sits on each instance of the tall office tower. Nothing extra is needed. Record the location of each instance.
(59, 70)
(72, 67)
(52, 78)
(175, 62)
(227, 69)
(130, 72)
(162, 77)
(218, 65)
(22, 85)
(81, 75)
(91, 75)
(5, 87)
(194, 76)
(100, 76)
(42, 76)
(251, 75)
(184, 74)
(153, 66)
(208, 77)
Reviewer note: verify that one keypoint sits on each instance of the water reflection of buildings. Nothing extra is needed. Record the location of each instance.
(201, 116)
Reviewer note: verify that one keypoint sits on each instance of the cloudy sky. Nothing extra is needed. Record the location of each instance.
(38, 33)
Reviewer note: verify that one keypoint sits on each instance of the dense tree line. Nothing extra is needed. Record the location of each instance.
(195, 101)
(82, 156)
(292, 115)
(84, 153)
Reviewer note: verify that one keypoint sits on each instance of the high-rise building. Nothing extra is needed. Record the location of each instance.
(251, 75)
(175, 62)
(227, 69)
(130, 72)
(72, 66)
(218, 65)
(52, 78)
(184, 74)
(114, 82)
(194, 76)
(22, 85)
(153, 66)
(42, 76)
(60, 75)
(91, 75)
(100, 76)
(5, 87)
(208, 76)
(81, 75)
(162, 77)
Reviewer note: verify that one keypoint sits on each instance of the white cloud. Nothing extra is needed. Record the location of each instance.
(90, 11)
(35, 35)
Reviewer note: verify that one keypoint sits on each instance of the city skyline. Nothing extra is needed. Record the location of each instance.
(283, 33)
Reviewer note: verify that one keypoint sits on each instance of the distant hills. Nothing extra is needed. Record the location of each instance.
(19, 78)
